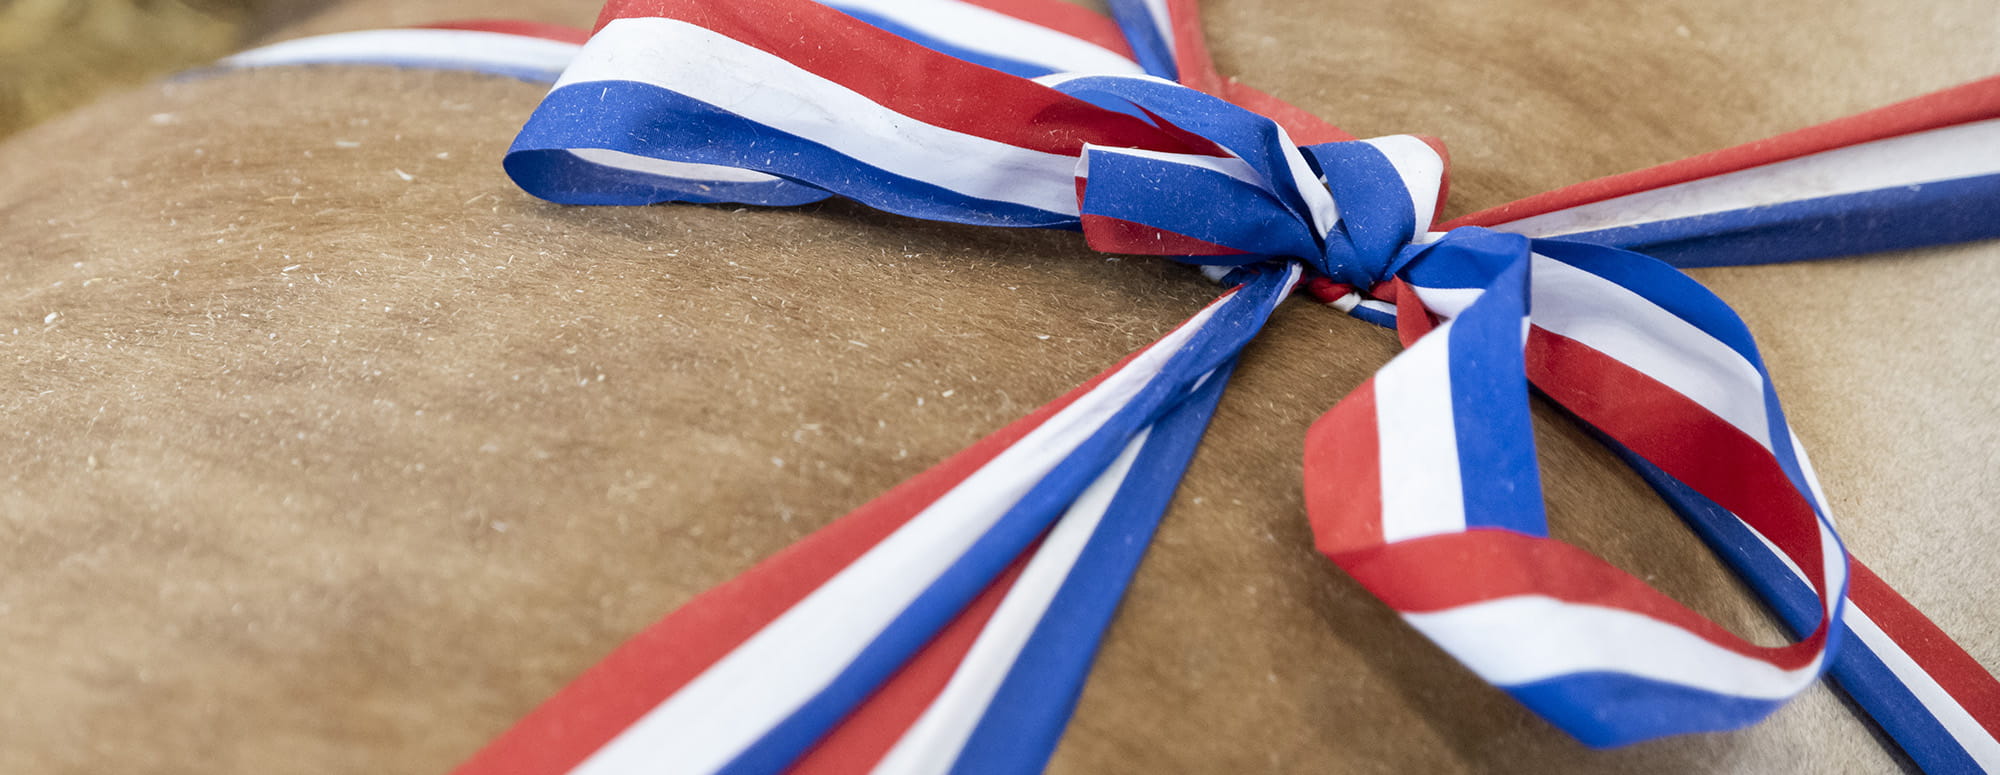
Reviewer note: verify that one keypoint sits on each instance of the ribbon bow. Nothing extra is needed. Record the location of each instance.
(949, 624)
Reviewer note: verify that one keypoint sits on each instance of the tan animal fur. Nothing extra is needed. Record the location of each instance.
(329, 450)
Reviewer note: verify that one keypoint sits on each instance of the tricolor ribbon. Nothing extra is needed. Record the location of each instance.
(948, 625)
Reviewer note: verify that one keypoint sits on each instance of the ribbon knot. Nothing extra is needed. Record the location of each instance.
(1245, 192)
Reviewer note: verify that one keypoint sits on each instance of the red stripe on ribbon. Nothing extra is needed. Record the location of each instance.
(1324, 290)
(1490, 564)
(1106, 234)
(1304, 127)
(1191, 57)
(1343, 473)
(1197, 71)
(1413, 319)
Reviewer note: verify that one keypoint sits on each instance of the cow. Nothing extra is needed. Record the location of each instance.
(332, 450)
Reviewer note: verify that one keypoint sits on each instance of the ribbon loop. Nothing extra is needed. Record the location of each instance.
(1346, 209)
(1647, 357)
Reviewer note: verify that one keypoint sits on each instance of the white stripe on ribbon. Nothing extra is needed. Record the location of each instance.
(1522, 639)
(1833, 564)
(1163, 21)
(1319, 201)
(1421, 490)
(1378, 306)
(678, 170)
(1812, 477)
(1613, 320)
(1421, 169)
(471, 49)
(707, 66)
(737, 700)
(1447, 302)
(993, 33)
(932, 744)
(1056, 80)
(1222, 165)
(1962, 151)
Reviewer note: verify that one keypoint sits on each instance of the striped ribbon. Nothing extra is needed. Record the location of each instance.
(948, 625)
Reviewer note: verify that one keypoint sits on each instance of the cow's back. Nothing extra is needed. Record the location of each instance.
(330, 450)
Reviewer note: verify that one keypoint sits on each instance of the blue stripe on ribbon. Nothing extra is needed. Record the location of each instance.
(588, 183)
(1251, 137)
(1899, 218)
(1375, 210)
(1896, 709)
(1027, 715)
(1501, 486)
(1605, 709)
(650, 121)
(1207, 205)
(1149, 44)
(1375, 316)
(1218, 342)
(1466, 271)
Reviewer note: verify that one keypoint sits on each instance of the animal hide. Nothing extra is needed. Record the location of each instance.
(329, 450)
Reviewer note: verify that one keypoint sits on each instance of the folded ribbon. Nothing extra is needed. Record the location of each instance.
(948, 625)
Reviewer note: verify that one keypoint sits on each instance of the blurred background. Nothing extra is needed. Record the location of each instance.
(58, 54)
